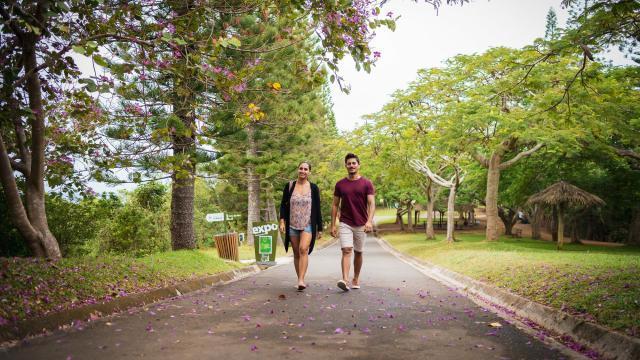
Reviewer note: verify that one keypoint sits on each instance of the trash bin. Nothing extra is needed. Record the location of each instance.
(227, 245)
(265, 238)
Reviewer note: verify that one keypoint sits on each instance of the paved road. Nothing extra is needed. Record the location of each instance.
(397, 314)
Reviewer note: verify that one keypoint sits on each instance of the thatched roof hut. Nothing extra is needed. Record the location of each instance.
(562, 195)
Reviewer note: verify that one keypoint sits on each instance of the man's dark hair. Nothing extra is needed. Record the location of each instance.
(351, 156)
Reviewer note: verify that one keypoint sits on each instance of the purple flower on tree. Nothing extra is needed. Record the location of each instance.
(240, 87)
(162, 64)
(348, 39)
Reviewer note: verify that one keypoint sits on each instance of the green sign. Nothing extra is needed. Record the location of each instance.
(265, 244)
(265, 235)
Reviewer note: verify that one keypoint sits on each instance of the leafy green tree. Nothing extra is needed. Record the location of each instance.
(194, 62)
(150, 196)
(37, 86)
(551, 28)
(76, 224)
(266, 144)
(595, 25)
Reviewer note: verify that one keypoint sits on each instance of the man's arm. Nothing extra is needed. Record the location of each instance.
(371, 209)
(334, 215)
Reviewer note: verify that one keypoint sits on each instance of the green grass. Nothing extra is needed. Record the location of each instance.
(388, 216)
(599, 284)
(34, 287)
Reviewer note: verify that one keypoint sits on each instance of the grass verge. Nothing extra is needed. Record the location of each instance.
(599, 284)
(32, 287)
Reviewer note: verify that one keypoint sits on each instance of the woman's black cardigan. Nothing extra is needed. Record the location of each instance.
(316, 216)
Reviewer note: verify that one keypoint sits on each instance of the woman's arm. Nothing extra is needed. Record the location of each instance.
(283, 201)
(319, 216)
(283, 208)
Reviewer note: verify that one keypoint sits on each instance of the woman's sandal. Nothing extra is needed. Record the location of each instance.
(343, 285)
(301, 287)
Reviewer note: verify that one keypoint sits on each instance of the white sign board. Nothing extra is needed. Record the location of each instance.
(215, 217)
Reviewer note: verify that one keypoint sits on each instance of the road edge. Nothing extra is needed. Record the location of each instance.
(16, 332)
(608, 343)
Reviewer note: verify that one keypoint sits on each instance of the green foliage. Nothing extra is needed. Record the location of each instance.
(76, 223)
(150, 196)
(600, 24)
(551, 31)
(502, 102)
(139, 227)
(206, 196)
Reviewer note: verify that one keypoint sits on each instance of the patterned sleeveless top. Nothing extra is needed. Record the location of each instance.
(300, 212)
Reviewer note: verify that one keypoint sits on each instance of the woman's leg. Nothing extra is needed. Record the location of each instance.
(295, 245)
(303, 253)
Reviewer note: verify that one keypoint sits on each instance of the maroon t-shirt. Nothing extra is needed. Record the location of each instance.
(353, 196)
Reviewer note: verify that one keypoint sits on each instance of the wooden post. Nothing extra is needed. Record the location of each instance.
(560, 226)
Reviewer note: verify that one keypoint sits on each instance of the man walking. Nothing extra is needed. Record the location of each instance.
(355, 197)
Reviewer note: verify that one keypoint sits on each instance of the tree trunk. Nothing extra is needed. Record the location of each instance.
(535, 223)
(409, 216)
(399, 215)
(508, 219)
(560, 227)
(16, 208)
(491, 200)
(182, 186)
(451, 214)
(554, 224)
(35, 182)
(428, 229)
(30, 218)
(634, 229)
(183, 235)
(253, 183)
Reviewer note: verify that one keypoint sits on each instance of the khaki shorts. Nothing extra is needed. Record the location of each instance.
(352, 237)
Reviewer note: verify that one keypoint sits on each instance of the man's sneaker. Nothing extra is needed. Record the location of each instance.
(343, 285)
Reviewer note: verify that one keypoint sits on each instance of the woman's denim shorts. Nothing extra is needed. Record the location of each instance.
(294, 232)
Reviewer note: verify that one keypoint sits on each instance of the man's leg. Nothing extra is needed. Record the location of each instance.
(359, 237)
(346, 263)
(346, 244)
(357, 265)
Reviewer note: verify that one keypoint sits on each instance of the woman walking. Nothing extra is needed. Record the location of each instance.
(300, 219)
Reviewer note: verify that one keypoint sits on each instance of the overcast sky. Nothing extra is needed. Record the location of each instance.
(424, 39)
